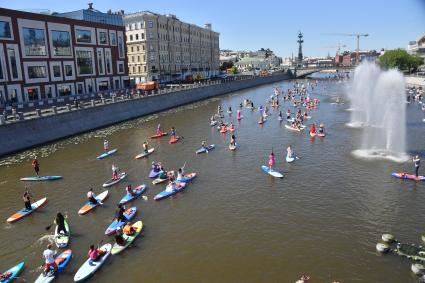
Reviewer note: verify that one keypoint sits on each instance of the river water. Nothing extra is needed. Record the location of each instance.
(234, 223)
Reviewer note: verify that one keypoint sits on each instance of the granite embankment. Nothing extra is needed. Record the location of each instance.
(25, 134)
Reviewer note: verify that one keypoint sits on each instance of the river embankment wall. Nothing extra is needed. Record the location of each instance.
(25, 134)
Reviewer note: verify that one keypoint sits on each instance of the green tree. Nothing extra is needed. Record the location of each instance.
(234, 70)
(226, 65)
(400, 59)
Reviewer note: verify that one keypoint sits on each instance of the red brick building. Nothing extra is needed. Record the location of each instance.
(45, 58)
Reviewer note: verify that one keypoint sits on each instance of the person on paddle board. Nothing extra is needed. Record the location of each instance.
(145, 147)
(321, 128)
(238, 114)
(128, 229)
(114, 172)
(230, 109)
(94, 254)
(233, 140)
(118, 237)
(129, 190)
(417, 162)
(36, 165)
(158, 129)
(272, 161)
(173, 133)
(92, 197)
(60, 221)
(27, 199)
(119, 214)
(288, 114)
(313, 128)
(261, 119)
(289, 152)
(180, 174)
(204, 146)
(105, 145)
(49, 259)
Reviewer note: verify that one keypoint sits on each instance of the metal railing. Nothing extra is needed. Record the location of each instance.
(81, 102)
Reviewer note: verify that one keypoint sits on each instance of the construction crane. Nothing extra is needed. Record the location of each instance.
(358, 41)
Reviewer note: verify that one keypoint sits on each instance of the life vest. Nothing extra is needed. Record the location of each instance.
(128, 230)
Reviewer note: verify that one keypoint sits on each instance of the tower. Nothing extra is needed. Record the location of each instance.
(300, 48)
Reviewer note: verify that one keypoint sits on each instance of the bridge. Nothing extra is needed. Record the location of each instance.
(304, 72)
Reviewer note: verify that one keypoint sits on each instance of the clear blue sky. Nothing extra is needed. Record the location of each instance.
(250, 25)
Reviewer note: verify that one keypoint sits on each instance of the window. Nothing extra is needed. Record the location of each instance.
(120, 46)
(152, 57)
(131, 37)
(64, 90)
(103, 85)
(61, 43)
(150, 35)
(68, 71)
(37, 72)
(143, 35)
(113, 38)
(151, 48)
(13, 65)
(100, 61)
(144, 68)
(120, 68)
(32, 94)
(137, 36)
(57, 71)
(34, 42)
(108, 60)
(138, 58)
(131, 48)
(138, 48)
(83, 36)
(84, 62)
(143, 47)
(5, 30)
(150, 24)
(103, 38)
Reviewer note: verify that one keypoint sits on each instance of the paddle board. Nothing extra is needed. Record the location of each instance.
(403, 175)
(61, 240)
(128, 238)
(13, 272)
(112, 182)
(159, 181)
(89, 268)
(203, 150)
(24, 212)
(41, 178)
(291, 159)
(174, 140)
(89, 206)
(159, 135)
(272, 172)
(213, 123)
(144, 154)
(167, 193)
(292, 128)
(61, 260)
(234, 147)
(128, 214)
(137, 192)
(187, 178)
(106, 154)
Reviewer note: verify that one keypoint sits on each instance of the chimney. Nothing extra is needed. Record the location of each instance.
(90, 6)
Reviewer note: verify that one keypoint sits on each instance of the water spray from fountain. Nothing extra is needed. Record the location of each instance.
(378, 101)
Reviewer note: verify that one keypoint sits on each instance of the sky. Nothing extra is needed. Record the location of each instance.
(274, 24)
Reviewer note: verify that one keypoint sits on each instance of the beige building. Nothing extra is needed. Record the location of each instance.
(163, 48)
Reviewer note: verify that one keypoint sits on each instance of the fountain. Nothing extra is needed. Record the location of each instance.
(379, 109)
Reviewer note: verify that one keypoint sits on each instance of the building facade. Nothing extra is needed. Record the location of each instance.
(163, 48)
(44, 58)
(418, 46)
